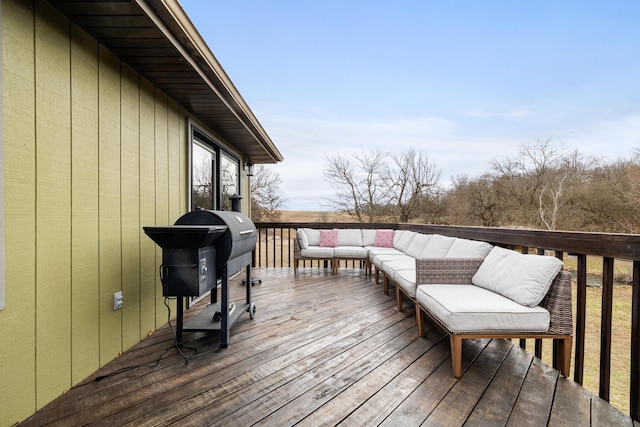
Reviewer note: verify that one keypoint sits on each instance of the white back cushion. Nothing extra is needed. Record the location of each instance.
(523, 278)
(464, 248)
(313, 236)
(418, 244)
(368, 237)
(438, 246)
(402, 239)
(303, 241)
(349, 237)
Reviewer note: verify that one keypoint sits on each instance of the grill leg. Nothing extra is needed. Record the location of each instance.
(249, 284)
(224, 309)
(180, 307)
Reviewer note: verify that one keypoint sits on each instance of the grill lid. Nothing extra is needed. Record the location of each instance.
(238, 239)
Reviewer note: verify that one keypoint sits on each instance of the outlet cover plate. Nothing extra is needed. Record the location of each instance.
(117, 300)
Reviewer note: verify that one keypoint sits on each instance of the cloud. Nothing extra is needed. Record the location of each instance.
(457, 147)
(306, 142)
(486, 113)
(611, 138)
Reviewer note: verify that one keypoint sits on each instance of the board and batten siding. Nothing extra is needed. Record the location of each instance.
(92, 152)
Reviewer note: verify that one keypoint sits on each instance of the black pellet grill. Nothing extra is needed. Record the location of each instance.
(202, 248)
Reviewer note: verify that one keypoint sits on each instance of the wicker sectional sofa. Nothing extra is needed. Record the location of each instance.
(470, 289)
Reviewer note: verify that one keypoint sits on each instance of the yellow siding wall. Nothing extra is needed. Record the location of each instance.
(93, 152)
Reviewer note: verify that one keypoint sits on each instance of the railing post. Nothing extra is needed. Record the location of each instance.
(581, 315)
(605, 328)
(634, 391)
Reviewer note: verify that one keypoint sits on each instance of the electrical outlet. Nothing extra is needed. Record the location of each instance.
(117, 300)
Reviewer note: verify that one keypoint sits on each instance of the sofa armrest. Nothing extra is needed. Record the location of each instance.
(453, 271)
(558, 303)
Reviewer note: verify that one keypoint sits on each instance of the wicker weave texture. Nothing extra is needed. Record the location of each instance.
(451, 271)
(558, 303)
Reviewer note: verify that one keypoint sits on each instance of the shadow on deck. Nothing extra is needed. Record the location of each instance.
(325, 350)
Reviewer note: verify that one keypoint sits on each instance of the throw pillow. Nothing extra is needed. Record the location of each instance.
(329, 238)
(384, 239)
(523, 278)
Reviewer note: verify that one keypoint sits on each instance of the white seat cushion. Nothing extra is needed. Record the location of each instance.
(380, 259)
(317, 252)
(350, 252)
(401, 263)
(469, 308)
(375, 250)
(406, 279)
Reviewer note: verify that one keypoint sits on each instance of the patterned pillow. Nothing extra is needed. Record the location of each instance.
(384, 239)
(329, 238)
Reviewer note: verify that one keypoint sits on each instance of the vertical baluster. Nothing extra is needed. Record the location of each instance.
(274, 246)
(605, 327)
(634, 392)
(266, 247)
(259, 247)
(581, 316)
(523, 342)
(281, 249)
(289, 247)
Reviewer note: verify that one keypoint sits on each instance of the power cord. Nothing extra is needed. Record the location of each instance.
(129, 368)
(175, 337)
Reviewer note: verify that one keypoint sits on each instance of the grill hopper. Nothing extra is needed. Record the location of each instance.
(236, 244)
(188, 257)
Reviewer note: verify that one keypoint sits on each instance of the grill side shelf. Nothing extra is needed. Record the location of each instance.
(202, 322)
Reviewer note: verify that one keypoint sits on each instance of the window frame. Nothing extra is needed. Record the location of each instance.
(197, 135)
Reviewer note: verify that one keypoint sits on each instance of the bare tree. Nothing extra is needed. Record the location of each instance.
(551, 209)
(473, 202)
(266, 198)
(411, 181)
(374, 185)
(359, 185)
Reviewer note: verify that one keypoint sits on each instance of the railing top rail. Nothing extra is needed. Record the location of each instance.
(614, 245)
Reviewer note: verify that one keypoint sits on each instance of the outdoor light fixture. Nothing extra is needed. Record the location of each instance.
(248, 167)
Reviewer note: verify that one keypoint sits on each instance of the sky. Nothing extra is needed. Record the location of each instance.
(466, 81)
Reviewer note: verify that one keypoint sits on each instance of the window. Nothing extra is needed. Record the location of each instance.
(229, 179)
(202, 177)
(215, 173)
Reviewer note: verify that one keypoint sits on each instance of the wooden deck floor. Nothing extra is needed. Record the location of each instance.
(324, 350)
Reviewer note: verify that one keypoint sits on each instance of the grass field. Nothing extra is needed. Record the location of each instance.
(314, 216)
(621, 325)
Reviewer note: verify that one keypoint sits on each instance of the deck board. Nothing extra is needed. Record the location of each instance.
(324, 349)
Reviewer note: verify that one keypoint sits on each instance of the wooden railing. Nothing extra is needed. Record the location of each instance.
(275, 249)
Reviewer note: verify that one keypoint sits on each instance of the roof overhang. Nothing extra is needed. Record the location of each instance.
(157, 39)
